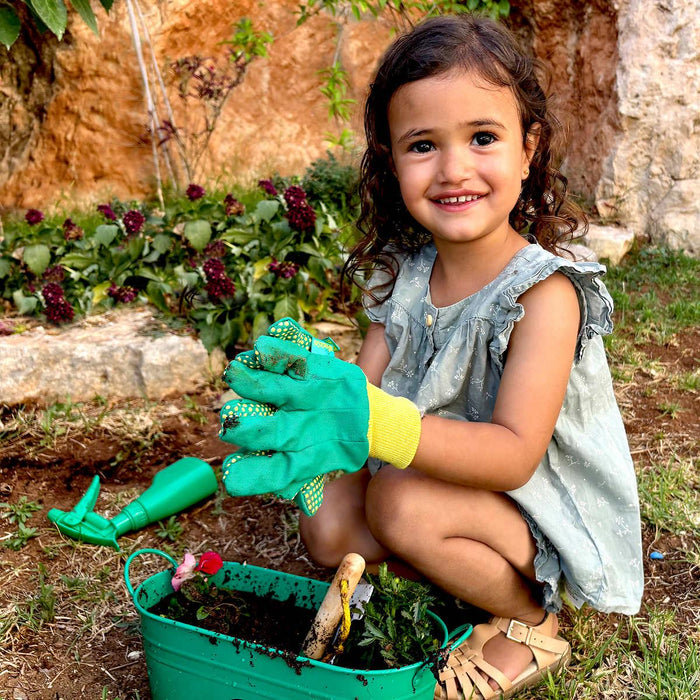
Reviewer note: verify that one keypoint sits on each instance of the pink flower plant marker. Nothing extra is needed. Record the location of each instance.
(185, 571)
(209, 564)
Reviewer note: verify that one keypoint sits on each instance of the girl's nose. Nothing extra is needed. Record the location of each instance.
(455, 165)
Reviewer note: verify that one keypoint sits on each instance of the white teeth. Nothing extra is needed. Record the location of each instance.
(459, 200)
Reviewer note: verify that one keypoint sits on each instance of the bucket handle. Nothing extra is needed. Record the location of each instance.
(127, 564)
(461, 633)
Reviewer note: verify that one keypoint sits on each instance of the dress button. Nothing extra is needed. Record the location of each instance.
(428, 320)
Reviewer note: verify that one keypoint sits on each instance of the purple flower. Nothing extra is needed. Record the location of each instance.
(215, 249)
(294, 196)
(194, 192)
(218, 283)
(134, 221)
(107, 212)
(54, 274)
(71, 230)
(58, 309)
(122, 295)
(233, 206)
(268, 187)
(33, 217)
(284, 269)
(214, 268)
(302, 217)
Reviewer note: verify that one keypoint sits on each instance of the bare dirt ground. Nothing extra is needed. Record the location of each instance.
(88, 645)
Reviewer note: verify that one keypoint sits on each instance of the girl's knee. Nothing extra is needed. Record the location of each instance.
(391, 507)
(322, 536)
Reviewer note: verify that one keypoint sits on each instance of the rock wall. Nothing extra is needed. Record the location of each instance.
(626, 74)
(651, 176)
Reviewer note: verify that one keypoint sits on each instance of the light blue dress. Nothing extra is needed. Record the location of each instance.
(581, 503)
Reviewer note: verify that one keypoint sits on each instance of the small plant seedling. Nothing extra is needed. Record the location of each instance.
(397, 630)
(169, 530)
(193, 411)
(670, 409)
(21, 537)
(21, 511)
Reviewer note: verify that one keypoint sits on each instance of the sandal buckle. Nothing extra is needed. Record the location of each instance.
(512, 632)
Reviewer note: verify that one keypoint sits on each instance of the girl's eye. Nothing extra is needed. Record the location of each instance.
(421, 147)
(483, 138)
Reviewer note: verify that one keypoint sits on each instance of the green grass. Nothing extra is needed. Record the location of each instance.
(656, 292)
(669, 494)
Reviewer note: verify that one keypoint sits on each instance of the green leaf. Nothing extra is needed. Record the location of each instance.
(287, 306)
(37, 258)
(239, 236)
(198, 233)
(52, 13)
(202, 613)
(209, 335)
(77, 261)
(25, 305)
(106, 233)
(266, 209)
(5, 266)
(9, 26)
(162, 243)
(107, 4)
(260, 268)
(261, 323)
(186, 279)
(155, 295)
(85, 11)
(99, 292)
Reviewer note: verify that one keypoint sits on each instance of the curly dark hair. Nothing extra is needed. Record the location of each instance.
(476, 45)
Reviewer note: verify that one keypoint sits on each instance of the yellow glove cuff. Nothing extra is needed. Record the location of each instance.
(394, 427)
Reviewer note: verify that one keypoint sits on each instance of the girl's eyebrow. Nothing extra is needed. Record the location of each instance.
(474, 124)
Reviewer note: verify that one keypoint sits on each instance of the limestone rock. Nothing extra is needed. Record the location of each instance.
(651, 178)
(611, 242)
(125, 354)
(581, 253)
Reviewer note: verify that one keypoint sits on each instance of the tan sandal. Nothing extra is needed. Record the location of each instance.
(461, 678)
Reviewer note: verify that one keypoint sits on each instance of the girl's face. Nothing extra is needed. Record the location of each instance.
(457, 151)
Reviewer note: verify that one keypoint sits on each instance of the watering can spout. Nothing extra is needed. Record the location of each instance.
(175, 488)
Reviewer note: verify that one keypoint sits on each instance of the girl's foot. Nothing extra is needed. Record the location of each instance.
(512, 657)
(500, 658)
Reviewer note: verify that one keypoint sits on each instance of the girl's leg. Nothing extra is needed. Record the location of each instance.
(339, 526)
(473, 543)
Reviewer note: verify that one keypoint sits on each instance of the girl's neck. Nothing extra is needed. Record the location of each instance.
(463, 269)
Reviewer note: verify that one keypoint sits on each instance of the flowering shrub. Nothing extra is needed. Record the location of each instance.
(222, 266)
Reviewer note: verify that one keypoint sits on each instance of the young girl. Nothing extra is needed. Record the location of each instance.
(520, 488)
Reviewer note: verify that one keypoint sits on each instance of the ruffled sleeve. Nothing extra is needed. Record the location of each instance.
(595, 302)
(379, 312)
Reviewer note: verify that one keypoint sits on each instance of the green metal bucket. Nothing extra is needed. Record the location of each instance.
(186, 662)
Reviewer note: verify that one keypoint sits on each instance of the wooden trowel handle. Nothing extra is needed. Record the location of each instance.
(331, 610)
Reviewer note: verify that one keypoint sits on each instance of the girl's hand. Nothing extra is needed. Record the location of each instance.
(315, 413)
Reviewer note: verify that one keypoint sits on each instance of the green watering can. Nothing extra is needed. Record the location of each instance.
(174, 488)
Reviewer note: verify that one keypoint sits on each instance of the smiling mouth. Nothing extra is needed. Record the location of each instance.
(462, 199)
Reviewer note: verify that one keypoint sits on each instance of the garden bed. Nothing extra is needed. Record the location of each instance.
(67, 625)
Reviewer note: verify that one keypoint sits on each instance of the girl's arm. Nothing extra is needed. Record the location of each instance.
(374, 354)
(502, 455)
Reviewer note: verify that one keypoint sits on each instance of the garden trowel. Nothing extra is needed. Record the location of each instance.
(344, 602)
(174, 488)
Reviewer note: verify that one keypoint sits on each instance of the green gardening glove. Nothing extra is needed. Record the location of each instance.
(314, 413)
(308, 496)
